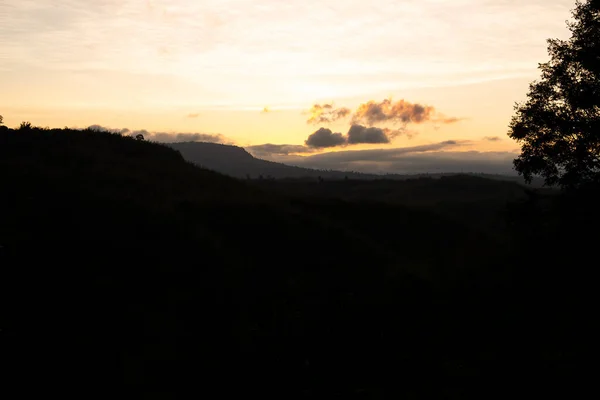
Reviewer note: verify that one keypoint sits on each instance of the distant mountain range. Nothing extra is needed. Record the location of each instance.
(237, 162)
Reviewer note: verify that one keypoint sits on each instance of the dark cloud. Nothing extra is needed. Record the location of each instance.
(193, 115)
(326, 113)
(325, 138)
(268, 149)
(492, 138)
(362, 134)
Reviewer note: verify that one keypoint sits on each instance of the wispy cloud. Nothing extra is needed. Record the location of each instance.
(326, 113)
(193, 115)
(437, 157)
(225, 47)
(379, 112)
(492, 138)
(384, 154)
(401, 111)
(268, 149)
(447, 120)
(166, 137)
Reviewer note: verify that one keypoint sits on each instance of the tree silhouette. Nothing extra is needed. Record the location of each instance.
(558, 127)
(1, 119)
(25, 126)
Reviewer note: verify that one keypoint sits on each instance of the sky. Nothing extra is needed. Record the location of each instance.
(383, 75)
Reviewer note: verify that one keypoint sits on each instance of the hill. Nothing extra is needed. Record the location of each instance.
(470, 200)
(127, 270)
(237, 162)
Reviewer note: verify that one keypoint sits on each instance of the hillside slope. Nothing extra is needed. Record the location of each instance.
(470, 200)
(129, 270)
(237, 162)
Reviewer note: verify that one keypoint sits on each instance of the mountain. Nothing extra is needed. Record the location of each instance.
(237, 162)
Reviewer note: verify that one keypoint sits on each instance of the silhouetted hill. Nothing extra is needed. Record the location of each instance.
(237, 162)
(127, 271)
(471, 200)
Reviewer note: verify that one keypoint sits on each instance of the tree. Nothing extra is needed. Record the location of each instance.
(25, 126)
(558, 127)
(2, 127)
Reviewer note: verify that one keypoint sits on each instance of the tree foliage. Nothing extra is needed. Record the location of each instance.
(558, 127)
(25, 126)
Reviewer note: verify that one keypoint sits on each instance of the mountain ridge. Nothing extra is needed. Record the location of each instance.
(237, 162)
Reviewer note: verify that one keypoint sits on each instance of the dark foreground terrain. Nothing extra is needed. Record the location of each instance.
(128, 272)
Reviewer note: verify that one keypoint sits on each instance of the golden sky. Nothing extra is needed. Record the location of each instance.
(250, 69)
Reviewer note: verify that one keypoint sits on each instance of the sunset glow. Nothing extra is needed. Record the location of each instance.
(251, 70)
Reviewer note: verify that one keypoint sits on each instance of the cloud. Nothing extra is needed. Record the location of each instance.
(181, 137)
(492, 138)
(323, 114)
(386, 111)
(100, 128)
(362, 134)
(193, 115)
(269, 149)
(439, 157)
(447, 120)
(97, 35)
(401, 111)
(384, 154)
(165, 137)
(325, 138)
